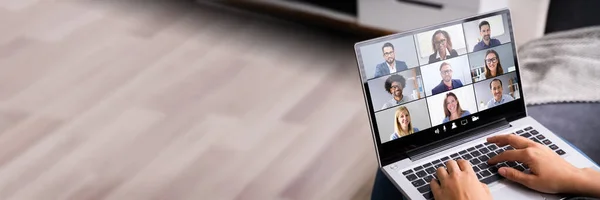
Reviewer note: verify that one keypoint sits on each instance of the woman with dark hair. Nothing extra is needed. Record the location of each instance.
(493, 67)
(402, 124)
(442, 47)
(452, 108)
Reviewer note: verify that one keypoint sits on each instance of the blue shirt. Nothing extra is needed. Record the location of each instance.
(443, 88)
(481, 45)
(463, 115)
(505, 98)
(395, 136)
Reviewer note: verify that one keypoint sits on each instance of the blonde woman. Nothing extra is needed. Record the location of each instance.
(402, 124)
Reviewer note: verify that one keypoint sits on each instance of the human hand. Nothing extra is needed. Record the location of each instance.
(549, 172)
(458, 182)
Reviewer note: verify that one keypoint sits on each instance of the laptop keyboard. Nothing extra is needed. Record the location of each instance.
(421, 176)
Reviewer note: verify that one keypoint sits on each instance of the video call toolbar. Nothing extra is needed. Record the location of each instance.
(434, 77)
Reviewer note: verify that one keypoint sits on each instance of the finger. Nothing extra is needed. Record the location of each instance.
(486, 188)
(442, 174)
(436, 189)
(510, 155)
(515, 141)
(452, 167)
(516, 176)
(465, 166)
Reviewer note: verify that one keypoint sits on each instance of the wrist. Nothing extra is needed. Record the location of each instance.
(586, 182)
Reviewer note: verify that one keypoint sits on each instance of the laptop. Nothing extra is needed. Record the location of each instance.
(436, 93)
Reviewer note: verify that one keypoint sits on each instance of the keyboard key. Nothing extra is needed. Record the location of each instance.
(487, 143)
(483, 166)
(471, 149)
(484, 158)
(512, 164)
(407, 172)
(520, 131)
(475, 154)
(430, 170)
(479, 177)
(424, 188)
(526, 135)
(421, 174)
(428, 178)
(502, 165)
(476, 169)
(553, 147)
(467, 157)
(427, 165)
(479, 146)
(492, 179)
(500, 150)
(509, 148)
(491, 154)
(536, 140)
(475, 161)
(520, 168)
(428, 195)
(462, 152)
(418, 183)
(411, 177)
(493, 147)
(560, 152)
(485, 173)
(418, 168)
(534, 132)
(541, 137)
(436, 161)
(439, 165)
(454, 155)
(547, 142)
(484, 150)
(528, 128)
(493, 169)
(444, 159)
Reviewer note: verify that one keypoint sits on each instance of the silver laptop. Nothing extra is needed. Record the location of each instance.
(436, 93)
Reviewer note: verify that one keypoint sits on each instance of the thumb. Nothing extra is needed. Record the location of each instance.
(516, 175)
(436, 189)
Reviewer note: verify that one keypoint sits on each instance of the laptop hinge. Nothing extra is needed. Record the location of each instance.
(458, 139)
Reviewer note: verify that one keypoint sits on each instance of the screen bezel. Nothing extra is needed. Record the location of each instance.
(396, 150)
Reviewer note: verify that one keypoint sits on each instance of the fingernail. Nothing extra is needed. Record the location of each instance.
(502, 171)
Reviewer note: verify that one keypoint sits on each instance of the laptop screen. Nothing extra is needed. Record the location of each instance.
(439, 81)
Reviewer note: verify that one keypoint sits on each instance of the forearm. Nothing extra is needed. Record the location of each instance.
(588, 184)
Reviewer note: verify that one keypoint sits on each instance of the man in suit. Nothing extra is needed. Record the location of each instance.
(391, 65)
(447, 82)
(486, 40)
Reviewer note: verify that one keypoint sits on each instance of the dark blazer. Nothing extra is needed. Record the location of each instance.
(442, 88)
(432, 57)
(382, 69)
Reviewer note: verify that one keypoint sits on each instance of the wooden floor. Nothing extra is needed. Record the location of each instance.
(141, 100)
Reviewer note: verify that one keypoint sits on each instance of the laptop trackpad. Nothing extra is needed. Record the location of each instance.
(505, 189)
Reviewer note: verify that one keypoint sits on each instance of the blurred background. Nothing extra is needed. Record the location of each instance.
(215, 99)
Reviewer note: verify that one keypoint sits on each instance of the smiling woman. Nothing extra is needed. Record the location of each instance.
(402, 124)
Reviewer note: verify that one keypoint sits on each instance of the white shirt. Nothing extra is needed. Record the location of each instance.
(438, 54)
(392, 69)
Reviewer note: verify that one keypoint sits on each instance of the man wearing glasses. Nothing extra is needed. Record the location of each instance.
(447, 83)
(391, 65)
(394, 85)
